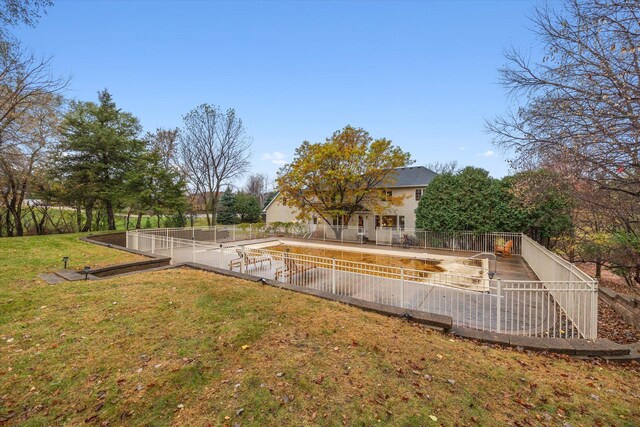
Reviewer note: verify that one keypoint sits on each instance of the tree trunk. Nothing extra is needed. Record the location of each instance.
(111, 220)
(98, 219)
(139, 222)
(15, 211)
(128, 219)
(88, 212)
(78, 216)
(214, 210)
(598, 267)
(8, 223)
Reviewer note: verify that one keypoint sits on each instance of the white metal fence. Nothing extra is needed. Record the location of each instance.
(562, 304)
(562, 279)
(448, 240)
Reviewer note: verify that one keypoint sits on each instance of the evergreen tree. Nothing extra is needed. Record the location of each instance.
(467, 200)
(247, 207)
(155, 188)
(227, 209)
(98, 151)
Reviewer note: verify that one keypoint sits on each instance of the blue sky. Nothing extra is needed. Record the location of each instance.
(423, 74)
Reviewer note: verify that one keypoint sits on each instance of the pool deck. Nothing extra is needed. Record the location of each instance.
(511, 268)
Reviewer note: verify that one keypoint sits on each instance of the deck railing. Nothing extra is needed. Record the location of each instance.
(562, 304)
(467, 241)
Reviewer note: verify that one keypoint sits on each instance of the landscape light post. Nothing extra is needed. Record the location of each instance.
(65, 259)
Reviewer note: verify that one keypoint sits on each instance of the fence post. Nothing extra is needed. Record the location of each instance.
(571, 273)
(127, 244)
(402, 287)
(242, 265)
(499, 306)
(171, 250)
(333, 276)
(193, 233)
(153, 244)
(193, 251)
(215, 234)
(221, 256)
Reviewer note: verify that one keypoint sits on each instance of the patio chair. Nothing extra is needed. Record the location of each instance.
(291, 268)
(504, 250)
(248, 260)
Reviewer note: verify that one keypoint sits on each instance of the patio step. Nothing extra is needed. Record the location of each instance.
(70, 275)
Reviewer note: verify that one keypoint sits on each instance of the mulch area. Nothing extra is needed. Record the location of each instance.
(613, 326)
(610, 324)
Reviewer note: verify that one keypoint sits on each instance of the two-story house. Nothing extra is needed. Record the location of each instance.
(408, 184)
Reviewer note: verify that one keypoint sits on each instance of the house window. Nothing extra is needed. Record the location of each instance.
(315, 220)
(389, 221)
(377, 221)
(418, 194)
(388, 194)
(401, 222)
(339, 220)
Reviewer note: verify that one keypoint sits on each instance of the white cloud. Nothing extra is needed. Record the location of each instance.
(277, 158)
(488, 153)
(462, 148)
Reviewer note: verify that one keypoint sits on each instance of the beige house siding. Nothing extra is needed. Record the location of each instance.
(277, 212)
(408, 207)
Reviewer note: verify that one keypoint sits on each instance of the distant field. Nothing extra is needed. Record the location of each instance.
(192, 348)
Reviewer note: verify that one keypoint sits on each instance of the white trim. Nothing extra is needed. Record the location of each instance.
(270, 201)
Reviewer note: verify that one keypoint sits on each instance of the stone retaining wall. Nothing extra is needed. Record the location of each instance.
(626, 305)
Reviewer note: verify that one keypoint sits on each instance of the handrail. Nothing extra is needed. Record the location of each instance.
(495, 260)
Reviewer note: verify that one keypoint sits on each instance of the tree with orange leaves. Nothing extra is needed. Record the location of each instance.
(344, 175)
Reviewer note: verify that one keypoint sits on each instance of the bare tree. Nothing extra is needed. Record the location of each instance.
(24, 78)
(441, 168)
(213, 151)
(582, 99)
(258, 185)
(164, 142)
(15, 12)
(579, 113)
(30, 136)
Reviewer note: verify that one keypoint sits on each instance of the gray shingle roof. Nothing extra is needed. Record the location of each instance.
(412, 176)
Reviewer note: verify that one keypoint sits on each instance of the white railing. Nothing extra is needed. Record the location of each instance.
(551, 268)
(549, 308)
(468, 241)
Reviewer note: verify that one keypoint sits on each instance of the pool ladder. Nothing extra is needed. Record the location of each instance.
(489, 256)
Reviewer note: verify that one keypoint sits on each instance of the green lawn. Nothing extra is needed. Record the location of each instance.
(188, 347)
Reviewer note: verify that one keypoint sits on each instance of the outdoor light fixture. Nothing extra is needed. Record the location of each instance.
(86, 271)
(65, 259)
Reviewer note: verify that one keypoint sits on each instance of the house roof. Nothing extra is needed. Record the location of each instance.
(412, 176)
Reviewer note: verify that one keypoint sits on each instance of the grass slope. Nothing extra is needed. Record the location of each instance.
(188, 347)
